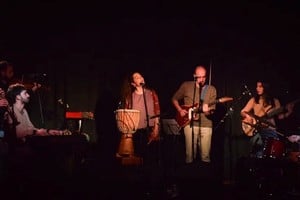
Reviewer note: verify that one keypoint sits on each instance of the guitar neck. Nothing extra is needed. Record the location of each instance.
(280, 110)
(184, 120)
(214, 102)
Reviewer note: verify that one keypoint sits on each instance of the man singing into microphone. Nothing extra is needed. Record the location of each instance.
(199, 129)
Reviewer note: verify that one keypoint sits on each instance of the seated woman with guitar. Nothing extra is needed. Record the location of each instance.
(258, 118)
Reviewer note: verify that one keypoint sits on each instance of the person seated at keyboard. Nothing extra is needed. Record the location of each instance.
(18, 117)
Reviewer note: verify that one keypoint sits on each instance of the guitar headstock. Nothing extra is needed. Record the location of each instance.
(225, 99)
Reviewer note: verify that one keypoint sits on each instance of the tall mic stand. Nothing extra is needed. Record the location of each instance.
(142, 137)
(41, 109)
(229, 113)
(146, 108)
(231, 109)
(192, 119)
(199, 113)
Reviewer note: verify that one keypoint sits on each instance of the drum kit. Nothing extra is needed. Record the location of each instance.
(294, 151)
(278, 159)
(282, 147)
(277, 146)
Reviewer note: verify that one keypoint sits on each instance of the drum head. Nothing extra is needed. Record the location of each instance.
(127, 120)
(127, 110)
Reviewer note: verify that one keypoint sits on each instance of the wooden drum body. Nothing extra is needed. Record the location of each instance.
(127, 123)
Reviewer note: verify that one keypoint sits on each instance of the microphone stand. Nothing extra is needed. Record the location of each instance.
(148, 125)
(231, 109)
(146, 108)
(192, 119)
(229, 113)
(41, 109)
(199, 111)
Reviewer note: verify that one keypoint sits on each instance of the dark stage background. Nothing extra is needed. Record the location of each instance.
(85, 50)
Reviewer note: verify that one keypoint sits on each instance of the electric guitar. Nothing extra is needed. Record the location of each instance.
(185, 120)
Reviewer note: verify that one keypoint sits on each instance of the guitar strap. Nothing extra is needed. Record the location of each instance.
(203, 92)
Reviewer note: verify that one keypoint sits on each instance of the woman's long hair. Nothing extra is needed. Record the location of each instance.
(267, 95)
(126, 92)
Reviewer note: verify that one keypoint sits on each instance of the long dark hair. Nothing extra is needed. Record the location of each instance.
(126, 91)
(267, 94)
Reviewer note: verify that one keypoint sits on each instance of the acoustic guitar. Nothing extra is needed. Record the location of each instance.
(249, 127)
(185, 120)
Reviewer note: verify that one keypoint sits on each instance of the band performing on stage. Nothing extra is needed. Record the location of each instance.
(251, 139)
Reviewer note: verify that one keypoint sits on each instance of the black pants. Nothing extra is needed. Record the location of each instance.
(150, 152)
(151, 171)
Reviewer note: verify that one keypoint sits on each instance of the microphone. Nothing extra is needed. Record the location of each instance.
(142, 84)
(247, 91)
(195, 77)
(61, 102)
(120, 105)
(35, 75)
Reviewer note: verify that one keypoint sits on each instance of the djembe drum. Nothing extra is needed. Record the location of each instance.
(127, 122)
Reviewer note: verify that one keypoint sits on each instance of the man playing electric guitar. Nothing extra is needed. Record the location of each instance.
(199, 131)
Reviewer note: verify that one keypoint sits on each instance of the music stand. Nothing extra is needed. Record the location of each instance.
(170, 127)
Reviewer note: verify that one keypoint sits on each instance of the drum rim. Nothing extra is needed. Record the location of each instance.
(127, 110)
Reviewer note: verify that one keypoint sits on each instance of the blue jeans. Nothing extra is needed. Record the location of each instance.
(259, 140)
